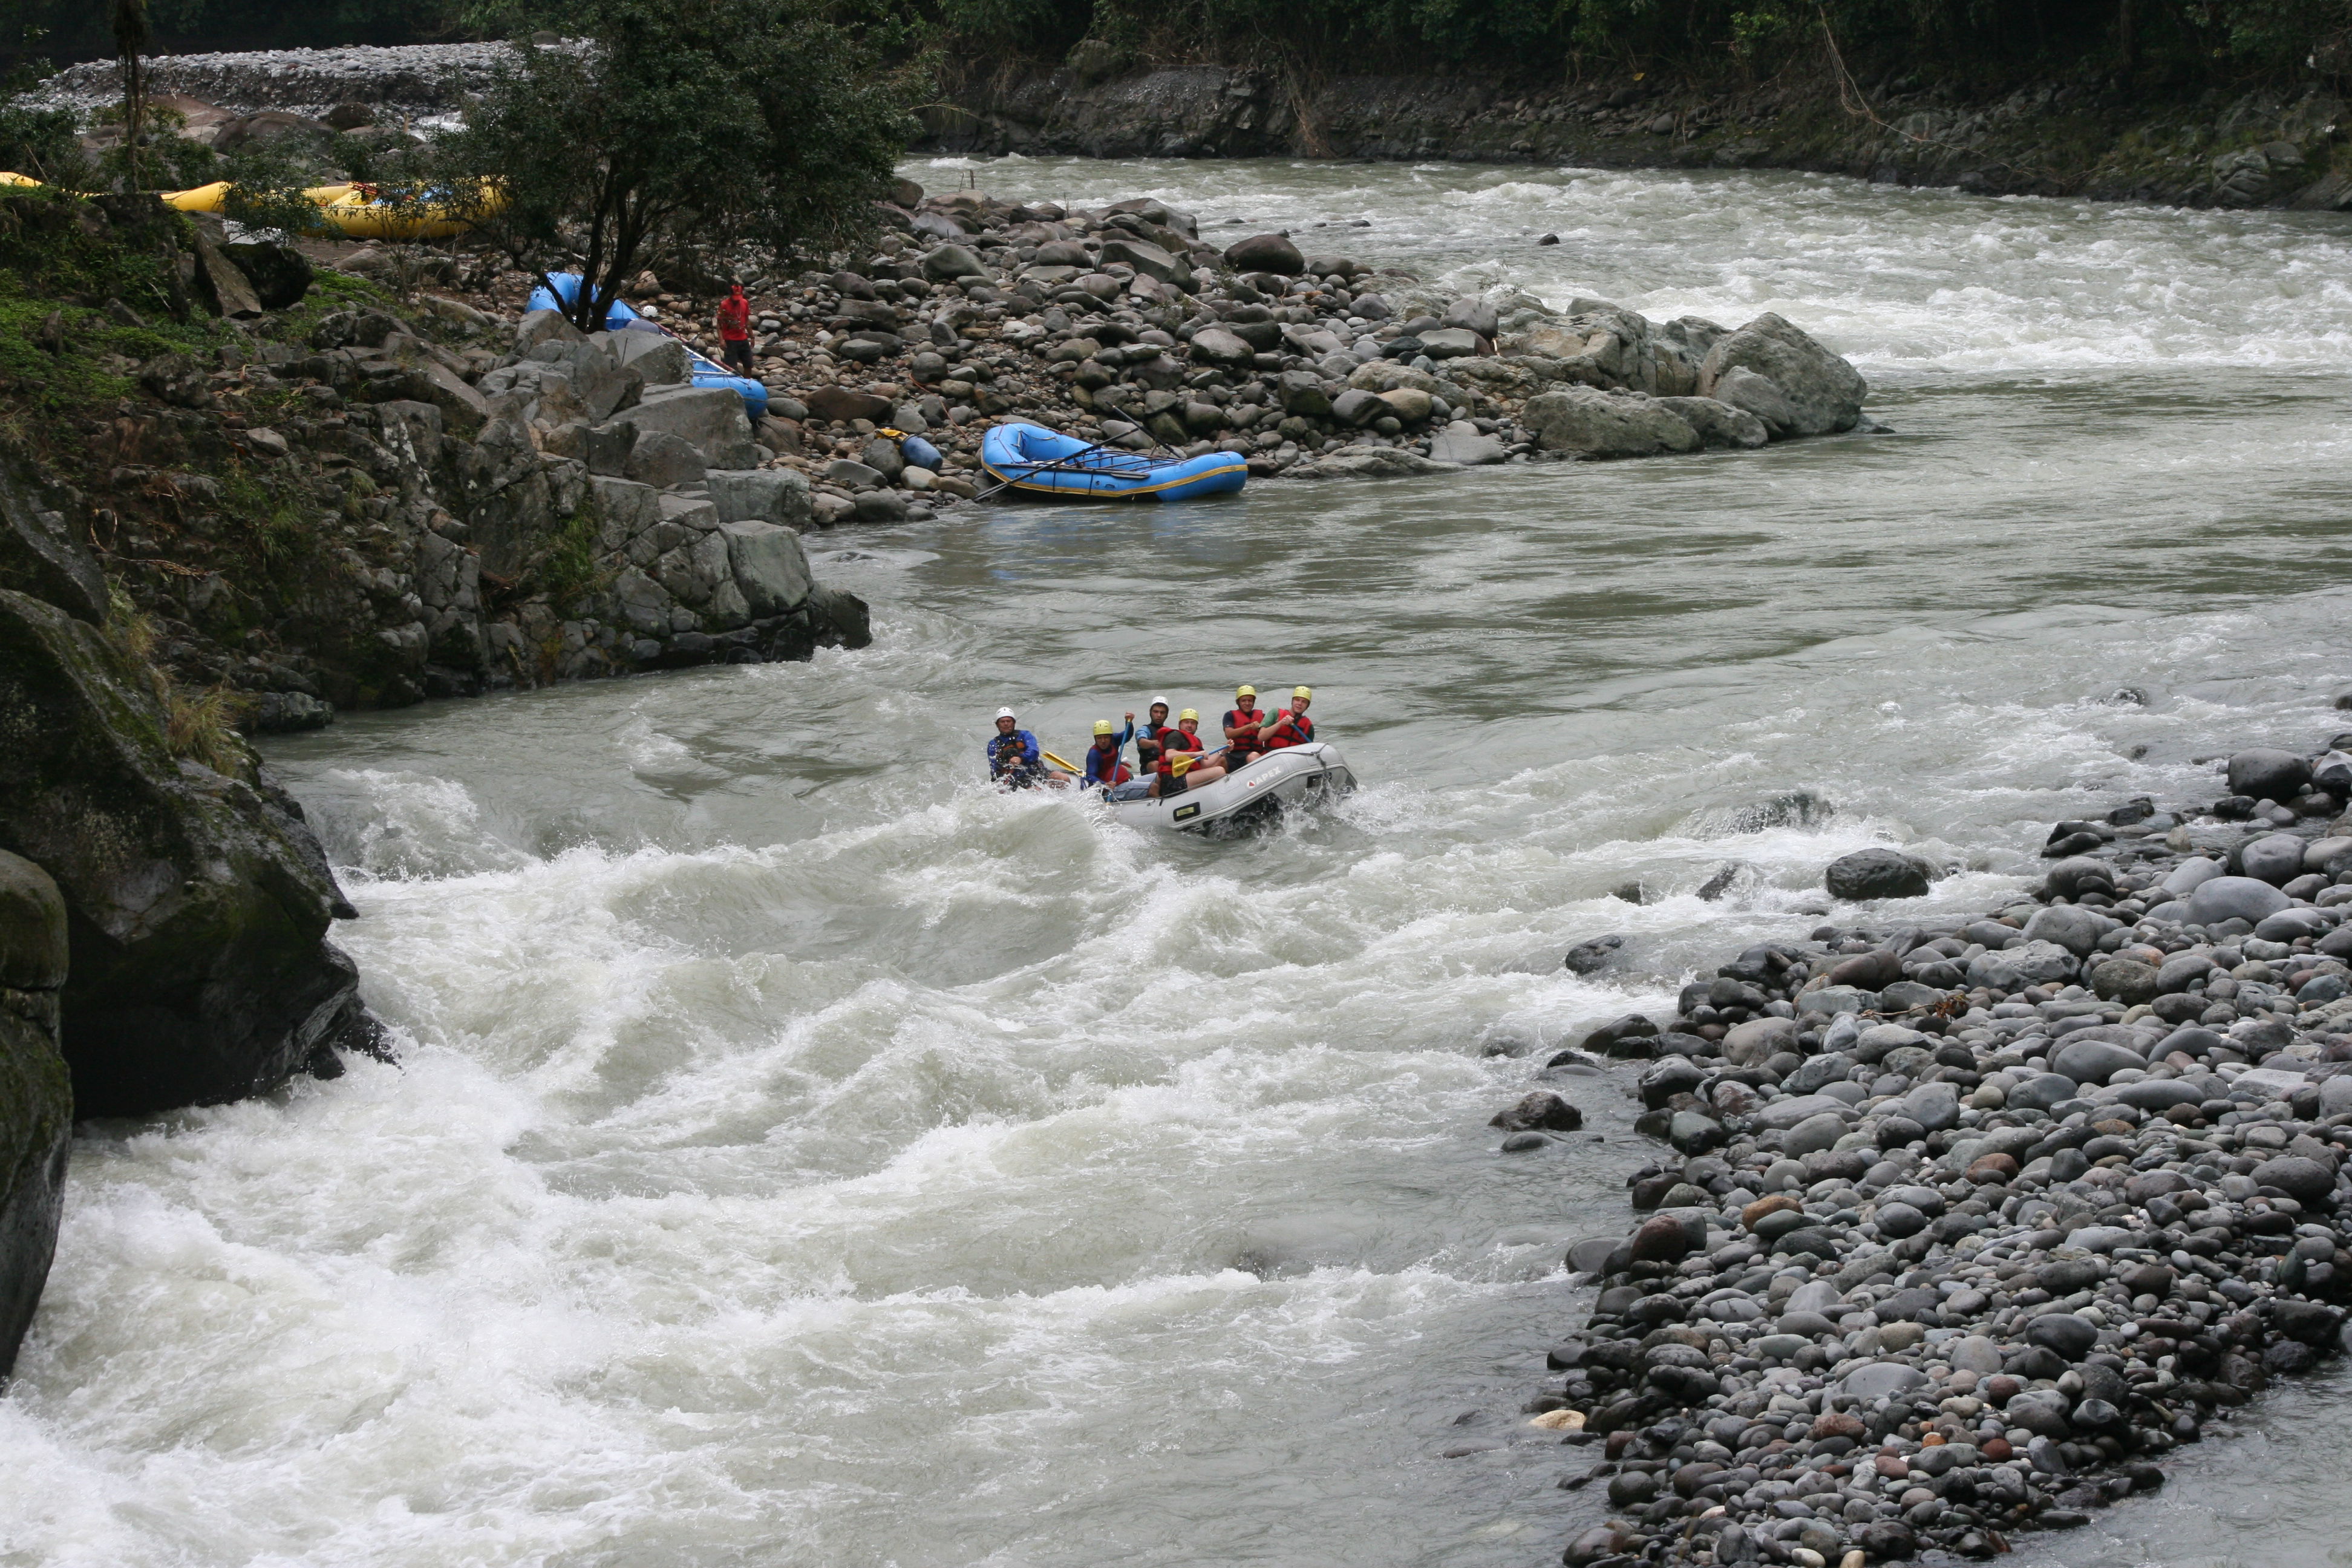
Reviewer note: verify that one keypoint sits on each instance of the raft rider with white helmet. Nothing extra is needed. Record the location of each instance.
(1014, 760)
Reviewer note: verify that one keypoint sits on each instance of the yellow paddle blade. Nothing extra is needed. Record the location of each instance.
(1058, 763)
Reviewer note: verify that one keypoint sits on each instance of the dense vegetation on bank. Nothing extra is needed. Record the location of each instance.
(2155, 46)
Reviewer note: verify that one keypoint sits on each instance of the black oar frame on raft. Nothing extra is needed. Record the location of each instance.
(1073, 464)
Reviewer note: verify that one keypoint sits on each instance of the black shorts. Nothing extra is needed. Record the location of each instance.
(738, 353)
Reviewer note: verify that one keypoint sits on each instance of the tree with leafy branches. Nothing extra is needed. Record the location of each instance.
(663, 130)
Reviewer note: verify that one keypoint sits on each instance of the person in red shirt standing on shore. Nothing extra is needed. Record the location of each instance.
(735, 330)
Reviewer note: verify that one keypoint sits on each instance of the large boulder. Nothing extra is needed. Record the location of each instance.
(2070, 926)
(1591, 422)
(769, 566)
(280, 275)
(1370, 463)
(36, 1093)
(2220, 898)
(658, 359)
(198, 900)
(761, 495)
(1220, 345)
(1266, 253)
(710, 420)
(1460, 443)
(538, 327)
(599, 383)
(225, 290)
(1760, 398)
(39, 556)
(1449, 343)
(844, 404)
(2267, 774)
(951, 262)
(1719, 422)
(1147, 259)
(2275, 858)
(1823, 392)
(2087, 1060)
(1876, 874)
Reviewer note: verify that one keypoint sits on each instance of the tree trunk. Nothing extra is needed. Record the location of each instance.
(130, 39)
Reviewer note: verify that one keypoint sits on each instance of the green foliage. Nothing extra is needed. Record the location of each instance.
(2177, 40)
(684, 125)
(571, 571)
(36, 141)
(202, 726)
(53, 246)
(80, 30)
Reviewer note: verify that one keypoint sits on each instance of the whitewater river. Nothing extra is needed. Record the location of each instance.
(803, 1155)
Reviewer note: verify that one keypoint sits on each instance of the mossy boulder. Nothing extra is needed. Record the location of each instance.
(198, 903)
(36, 1096)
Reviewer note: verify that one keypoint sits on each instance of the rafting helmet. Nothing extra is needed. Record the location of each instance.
(1244, 690)
(1192, 713)
(1308, 693)
(1158, 703)
(1102, 726)
(1005, 712)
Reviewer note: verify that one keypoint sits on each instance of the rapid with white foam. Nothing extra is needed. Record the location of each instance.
(802, 1155)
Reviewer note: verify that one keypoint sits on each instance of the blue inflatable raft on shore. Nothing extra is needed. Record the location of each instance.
(621, 318)
(1037, 461)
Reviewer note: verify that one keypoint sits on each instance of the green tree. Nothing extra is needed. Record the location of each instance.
(672, 127)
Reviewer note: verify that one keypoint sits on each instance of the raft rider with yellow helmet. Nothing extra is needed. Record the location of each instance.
(1103, 764)
(1181, 761)
(1242, 720)
(1291, 727)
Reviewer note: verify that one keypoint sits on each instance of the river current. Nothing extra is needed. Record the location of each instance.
(802, 1155)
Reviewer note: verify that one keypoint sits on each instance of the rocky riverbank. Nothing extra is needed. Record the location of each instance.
(1123, 326)
(1960, 1225)
(330, 497)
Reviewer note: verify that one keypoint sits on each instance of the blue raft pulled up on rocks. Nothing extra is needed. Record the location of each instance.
(621, 318)
(1037, 461)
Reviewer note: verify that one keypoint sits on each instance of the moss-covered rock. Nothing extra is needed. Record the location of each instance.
(36, 1097)
(198, 902)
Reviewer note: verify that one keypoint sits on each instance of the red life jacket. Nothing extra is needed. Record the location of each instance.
(1288, 729)
(1235, 718)
(1174, 742)
(1103, 767)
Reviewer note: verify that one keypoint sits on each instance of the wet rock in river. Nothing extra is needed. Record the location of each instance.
(1876, 874)
(1541, 1108)
(2265, 773)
